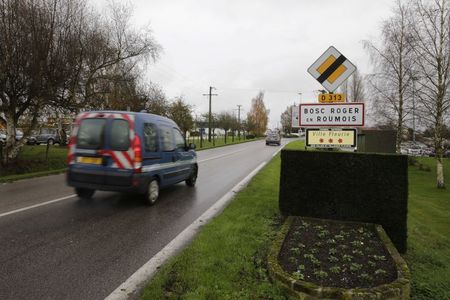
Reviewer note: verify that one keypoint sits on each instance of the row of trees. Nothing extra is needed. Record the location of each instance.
(255, 123)
(58, 57)
(412, 63)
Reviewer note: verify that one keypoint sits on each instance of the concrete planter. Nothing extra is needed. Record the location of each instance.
(398, 289)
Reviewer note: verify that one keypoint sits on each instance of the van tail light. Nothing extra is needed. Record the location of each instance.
(71, 151)
(137, 154)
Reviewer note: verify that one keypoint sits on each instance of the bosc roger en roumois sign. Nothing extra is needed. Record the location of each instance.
(343, 115)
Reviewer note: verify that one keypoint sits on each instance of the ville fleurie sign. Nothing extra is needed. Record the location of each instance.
(331, 115)
(326, 138)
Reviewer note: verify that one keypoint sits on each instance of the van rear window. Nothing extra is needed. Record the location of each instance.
(90, 134)
(120, 135)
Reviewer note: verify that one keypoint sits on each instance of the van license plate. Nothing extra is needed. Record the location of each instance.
(89, 160)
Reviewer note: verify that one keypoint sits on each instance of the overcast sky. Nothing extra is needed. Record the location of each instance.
(241, 47)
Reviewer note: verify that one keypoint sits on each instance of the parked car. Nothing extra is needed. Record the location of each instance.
(273, 137)
(47, 136)
(19, 136)
(128, 152)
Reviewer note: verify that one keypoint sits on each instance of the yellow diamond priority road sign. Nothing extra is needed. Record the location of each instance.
(331, 69)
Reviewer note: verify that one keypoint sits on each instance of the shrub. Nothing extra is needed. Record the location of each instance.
(347, 186)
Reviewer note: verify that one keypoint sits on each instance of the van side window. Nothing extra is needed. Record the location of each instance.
(179, 139)
(120, 135)
(167, 139)
(150, 138)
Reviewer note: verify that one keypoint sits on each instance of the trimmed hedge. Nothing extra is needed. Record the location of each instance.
(345, 186)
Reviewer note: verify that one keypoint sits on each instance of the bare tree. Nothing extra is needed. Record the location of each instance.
(286, 120)
(181, 113)
(354, 88)
(258, 116)
(431, 45)
(357, 90)
(58, 54)
(225, 121)
(393, 64)
(155, 100)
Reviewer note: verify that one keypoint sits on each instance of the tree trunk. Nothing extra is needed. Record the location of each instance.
(439, 153)
(440, 172)
(12, 147)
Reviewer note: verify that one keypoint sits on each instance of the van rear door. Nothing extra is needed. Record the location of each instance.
(118, 153)
(103, 151)
(87, 161)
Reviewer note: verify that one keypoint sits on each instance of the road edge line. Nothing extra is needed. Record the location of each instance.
(136, 282)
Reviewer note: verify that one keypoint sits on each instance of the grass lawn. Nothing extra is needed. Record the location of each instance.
(33, 159)
(428, 254)
(227, 258)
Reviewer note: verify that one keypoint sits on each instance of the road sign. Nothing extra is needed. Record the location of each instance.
(294, 113)
(331, 69)
(331, 98)
(342, 115)
(330, 138)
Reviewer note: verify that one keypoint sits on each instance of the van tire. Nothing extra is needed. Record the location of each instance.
(84, 193)
(152, 193)
(193, 177)
(50, 142)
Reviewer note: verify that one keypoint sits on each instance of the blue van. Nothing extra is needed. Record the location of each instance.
(128, 152)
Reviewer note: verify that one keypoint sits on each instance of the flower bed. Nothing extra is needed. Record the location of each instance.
(342, 260)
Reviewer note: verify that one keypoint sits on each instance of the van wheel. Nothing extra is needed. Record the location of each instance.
(193, 177)
(152, 193)
(50, 141)
(84, 193)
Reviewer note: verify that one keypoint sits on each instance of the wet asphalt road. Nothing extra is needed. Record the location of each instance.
(73, 249)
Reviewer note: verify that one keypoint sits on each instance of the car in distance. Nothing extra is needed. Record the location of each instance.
(128, 152)
(273, 137)
(47, 136)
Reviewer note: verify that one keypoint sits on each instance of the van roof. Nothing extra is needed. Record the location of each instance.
(138, 114)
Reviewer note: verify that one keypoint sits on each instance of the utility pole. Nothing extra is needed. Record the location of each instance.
(239, 121)
(209, 116)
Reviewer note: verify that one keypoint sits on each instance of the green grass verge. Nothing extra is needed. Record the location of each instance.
(428, 254)
(227, 259)
(33, 161)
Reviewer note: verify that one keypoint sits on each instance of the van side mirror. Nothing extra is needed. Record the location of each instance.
(192, 146)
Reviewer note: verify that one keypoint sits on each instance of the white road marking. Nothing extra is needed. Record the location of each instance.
(220, 156)
(36, 205)
(137, 281)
